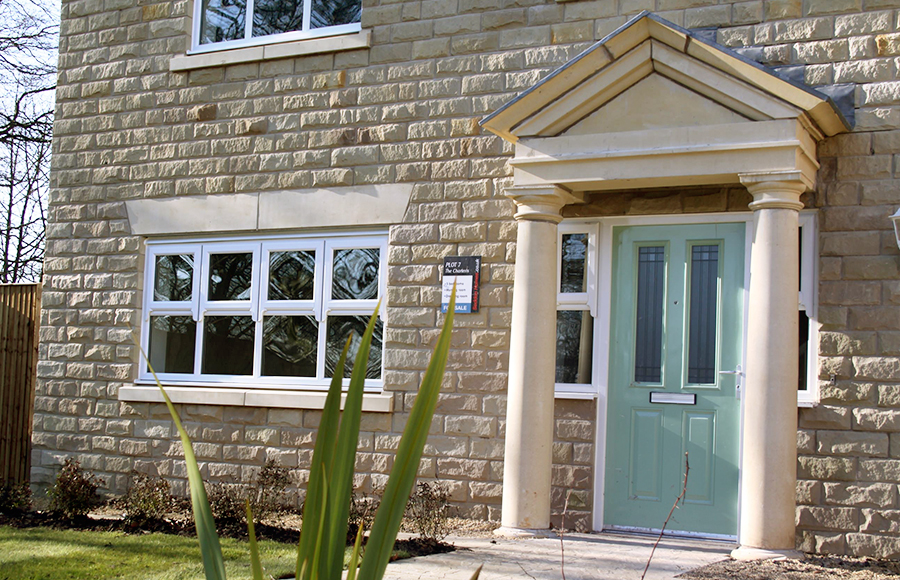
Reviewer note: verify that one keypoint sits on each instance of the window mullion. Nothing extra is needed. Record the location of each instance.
(248, 20)
(307, 13)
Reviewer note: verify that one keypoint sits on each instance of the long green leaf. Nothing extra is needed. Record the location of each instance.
(210, 550)
(354, 556)
(341, 476)
(255, 565)
(314, 507)
(406, 465)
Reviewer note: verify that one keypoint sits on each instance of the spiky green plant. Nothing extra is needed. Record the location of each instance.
(320, 553)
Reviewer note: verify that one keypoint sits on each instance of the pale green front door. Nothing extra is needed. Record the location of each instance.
(676, 319)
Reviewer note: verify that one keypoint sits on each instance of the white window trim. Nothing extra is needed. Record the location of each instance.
(809, 301)
(199, 307)
(586, 301)
(250, 41)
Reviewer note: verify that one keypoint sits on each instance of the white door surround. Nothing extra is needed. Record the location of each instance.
(651, 105)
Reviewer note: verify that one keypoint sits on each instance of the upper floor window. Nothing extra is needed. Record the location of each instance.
(222, 24)
(270, 312)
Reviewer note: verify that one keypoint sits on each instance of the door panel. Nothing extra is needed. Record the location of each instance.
(676, 323)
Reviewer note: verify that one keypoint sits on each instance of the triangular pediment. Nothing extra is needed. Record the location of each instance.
(655, 102)
(652, 74)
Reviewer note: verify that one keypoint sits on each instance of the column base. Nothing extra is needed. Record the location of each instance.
(745, 553)
(521, 533)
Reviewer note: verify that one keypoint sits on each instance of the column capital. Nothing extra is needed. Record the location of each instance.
(541, 202)
(776, 189)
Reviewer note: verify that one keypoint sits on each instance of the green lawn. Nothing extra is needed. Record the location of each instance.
(47, 554)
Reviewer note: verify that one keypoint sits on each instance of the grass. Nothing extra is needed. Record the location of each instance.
(49, 554)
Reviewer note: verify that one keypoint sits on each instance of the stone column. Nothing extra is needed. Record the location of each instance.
(769, 460)
(532, 355)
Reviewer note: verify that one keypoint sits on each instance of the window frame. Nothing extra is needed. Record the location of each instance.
(580, 301)
(249, 40)
(258, 306)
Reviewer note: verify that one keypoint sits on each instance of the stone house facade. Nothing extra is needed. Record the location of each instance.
(440, 128)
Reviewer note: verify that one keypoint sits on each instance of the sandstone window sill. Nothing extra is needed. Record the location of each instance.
(188, 62)
(239, 397)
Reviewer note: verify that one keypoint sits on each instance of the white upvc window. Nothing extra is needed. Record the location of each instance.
(808, 389)
(226, 24)
(576, 300)
(271, 312)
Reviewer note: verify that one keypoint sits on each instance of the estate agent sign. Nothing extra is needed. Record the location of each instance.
(466, 272)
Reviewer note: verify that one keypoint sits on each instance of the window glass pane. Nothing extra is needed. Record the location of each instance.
(339, 328)
(334, 12)
(230, 276)
(174, 278)
(291, 275)
(574, 340)
(290, 344)
(804, 350)
(704, 305)
(648, 331)
(574, 259)
(355, 274)
(228, 345)
(172, 340)
(276, 16)
(222, 20)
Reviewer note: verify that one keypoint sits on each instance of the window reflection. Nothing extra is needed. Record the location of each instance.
(341, 327)
(222, 20)
(174, 278)
(574, 346)
(334, 12)
(228, 345)
(171, 348)
(292, 275)
(230, 276)
(355, 274)
(277, 16)
(290, 345)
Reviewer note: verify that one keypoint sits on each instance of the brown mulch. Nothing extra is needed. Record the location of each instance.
(813, 567)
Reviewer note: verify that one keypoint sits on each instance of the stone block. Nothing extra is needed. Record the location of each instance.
(827, 468)
(828, 518)
(887, 470)
(873, 546)
(880, 495)
(825, 417)
(881, 420)
(853, 443)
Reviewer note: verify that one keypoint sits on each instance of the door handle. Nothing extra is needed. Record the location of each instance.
(738, 373)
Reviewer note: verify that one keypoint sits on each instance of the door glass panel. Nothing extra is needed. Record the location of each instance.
(172, 340)
(648, 331)
(341, 327)
(291, 275)
(703, 309)
(230, 276)
(574, 340)
(228, 345)
(174, 278)
(355, 274)
(573, 260)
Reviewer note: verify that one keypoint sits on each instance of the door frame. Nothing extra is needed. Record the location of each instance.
(602, 327)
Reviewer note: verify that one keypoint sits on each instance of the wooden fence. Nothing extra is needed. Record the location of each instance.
(20, 306)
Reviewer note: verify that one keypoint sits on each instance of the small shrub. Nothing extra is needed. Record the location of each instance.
(268, 495)
(428, 510)
(363, 507)
(226, 500)
(148, 499)
(75, 491)
(15, 499)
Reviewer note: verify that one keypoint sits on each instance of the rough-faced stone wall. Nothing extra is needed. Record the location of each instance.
(406, 110)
